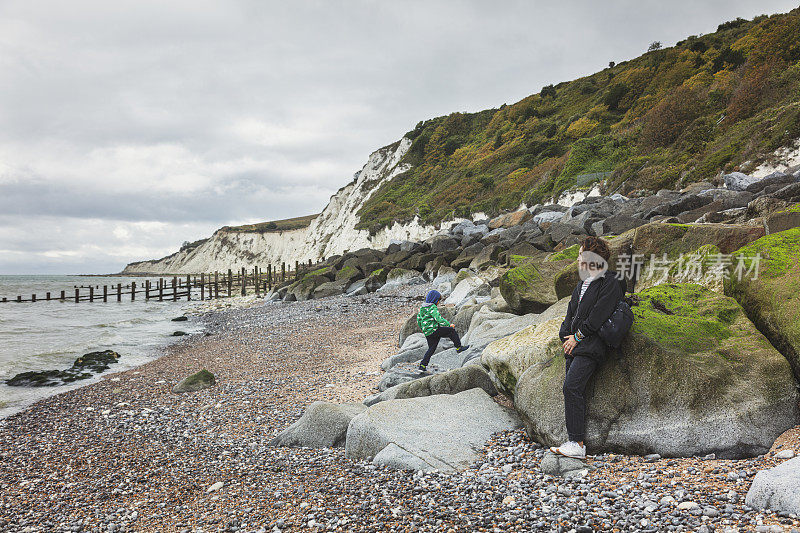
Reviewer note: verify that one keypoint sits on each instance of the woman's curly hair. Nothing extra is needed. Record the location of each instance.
(598, 246)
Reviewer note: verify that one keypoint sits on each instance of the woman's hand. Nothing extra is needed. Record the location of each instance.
(570, 344)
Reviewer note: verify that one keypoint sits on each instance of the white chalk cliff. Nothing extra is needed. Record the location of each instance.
(332, 232)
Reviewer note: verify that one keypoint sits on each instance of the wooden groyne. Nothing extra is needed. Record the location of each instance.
(204, 286)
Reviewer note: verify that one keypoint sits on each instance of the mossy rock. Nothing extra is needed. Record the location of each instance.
(783, 220)
(84, 367)
(530, 287)
(772, 301)
(703, 266)
(197, 381)
(376, 279)
(660, 239)
(567, 254)
(349, 273)
(693, 377)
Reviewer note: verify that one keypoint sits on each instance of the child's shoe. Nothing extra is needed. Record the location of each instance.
(463, 348)
(423, 368)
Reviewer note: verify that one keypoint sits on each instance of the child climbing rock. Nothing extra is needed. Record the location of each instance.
(435, 327)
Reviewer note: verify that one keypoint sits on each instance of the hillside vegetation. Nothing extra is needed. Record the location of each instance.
(272, 226)
(667, 118)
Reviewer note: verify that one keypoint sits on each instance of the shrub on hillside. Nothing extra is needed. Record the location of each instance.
(753, 91)
(665, 122)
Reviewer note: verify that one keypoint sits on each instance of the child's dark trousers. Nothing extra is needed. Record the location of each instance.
(433, 341)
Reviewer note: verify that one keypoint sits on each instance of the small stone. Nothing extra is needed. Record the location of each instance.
(215, 487)
(785, 454)
(688, 506)
(509, 501)
(652, 458)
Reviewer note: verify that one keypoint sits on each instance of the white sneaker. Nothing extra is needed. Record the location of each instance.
(570, 449)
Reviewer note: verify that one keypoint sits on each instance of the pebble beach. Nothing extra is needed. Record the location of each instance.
(127, 454)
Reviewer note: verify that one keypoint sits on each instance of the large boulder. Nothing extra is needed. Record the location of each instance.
(510, 219)
(418, 261)
(777, 489)
(488, 326)
(331, 288)
(349, 273)
(783, 220)
(737, 181)
(376, 279)
(323, 425)
(693, 377)
(656, 240)
(530, 287)
(470, 286)
(442, 243)
(401, 276)
(619, 224)
(303, 289)
(466, 256)
(771, 300)
(516, 342)
(776, 178)
(450, 382)
(442, 432)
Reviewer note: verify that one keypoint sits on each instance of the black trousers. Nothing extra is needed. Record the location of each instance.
(433, 341)
(579, 369)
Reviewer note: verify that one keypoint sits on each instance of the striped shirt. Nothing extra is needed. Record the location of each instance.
(584, 287)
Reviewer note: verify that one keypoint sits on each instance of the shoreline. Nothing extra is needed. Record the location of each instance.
(126, 454)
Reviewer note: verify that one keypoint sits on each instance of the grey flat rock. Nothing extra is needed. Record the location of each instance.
(444, 432)
(451, 382)
(777, 488)
(323, 425)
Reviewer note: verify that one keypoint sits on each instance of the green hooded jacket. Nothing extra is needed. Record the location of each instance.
(429, 319)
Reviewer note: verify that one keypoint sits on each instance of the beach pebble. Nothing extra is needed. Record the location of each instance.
(785, 454)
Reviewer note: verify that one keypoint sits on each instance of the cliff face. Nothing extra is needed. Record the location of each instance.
(332, 232)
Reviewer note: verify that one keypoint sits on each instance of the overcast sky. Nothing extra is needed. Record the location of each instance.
(127, 128)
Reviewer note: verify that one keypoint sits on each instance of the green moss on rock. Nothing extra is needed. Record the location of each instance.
(771, 300)
(567, 254)
(195, 382)
(685, 318)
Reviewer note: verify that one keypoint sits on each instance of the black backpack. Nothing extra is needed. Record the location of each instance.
(618, 324)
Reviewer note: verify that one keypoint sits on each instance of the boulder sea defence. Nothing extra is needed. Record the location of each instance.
(694, 377)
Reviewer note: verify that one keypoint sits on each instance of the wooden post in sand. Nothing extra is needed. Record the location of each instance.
(216, 284)
(133, 291)
(105, 293)
(119, 292)
(91, 294)
(63, 295)
(77, 295)
(174, 288)
(230, 282)
(269, 276)
(48, 297)
(188, 287)
(283, 271)
(255, 281)
(296, 270)
(244, 281)
(202, 286)
(161, 289)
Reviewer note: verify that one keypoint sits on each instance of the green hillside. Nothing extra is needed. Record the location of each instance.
(669, 117)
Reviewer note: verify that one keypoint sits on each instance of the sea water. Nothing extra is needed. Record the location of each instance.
(50, 335)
